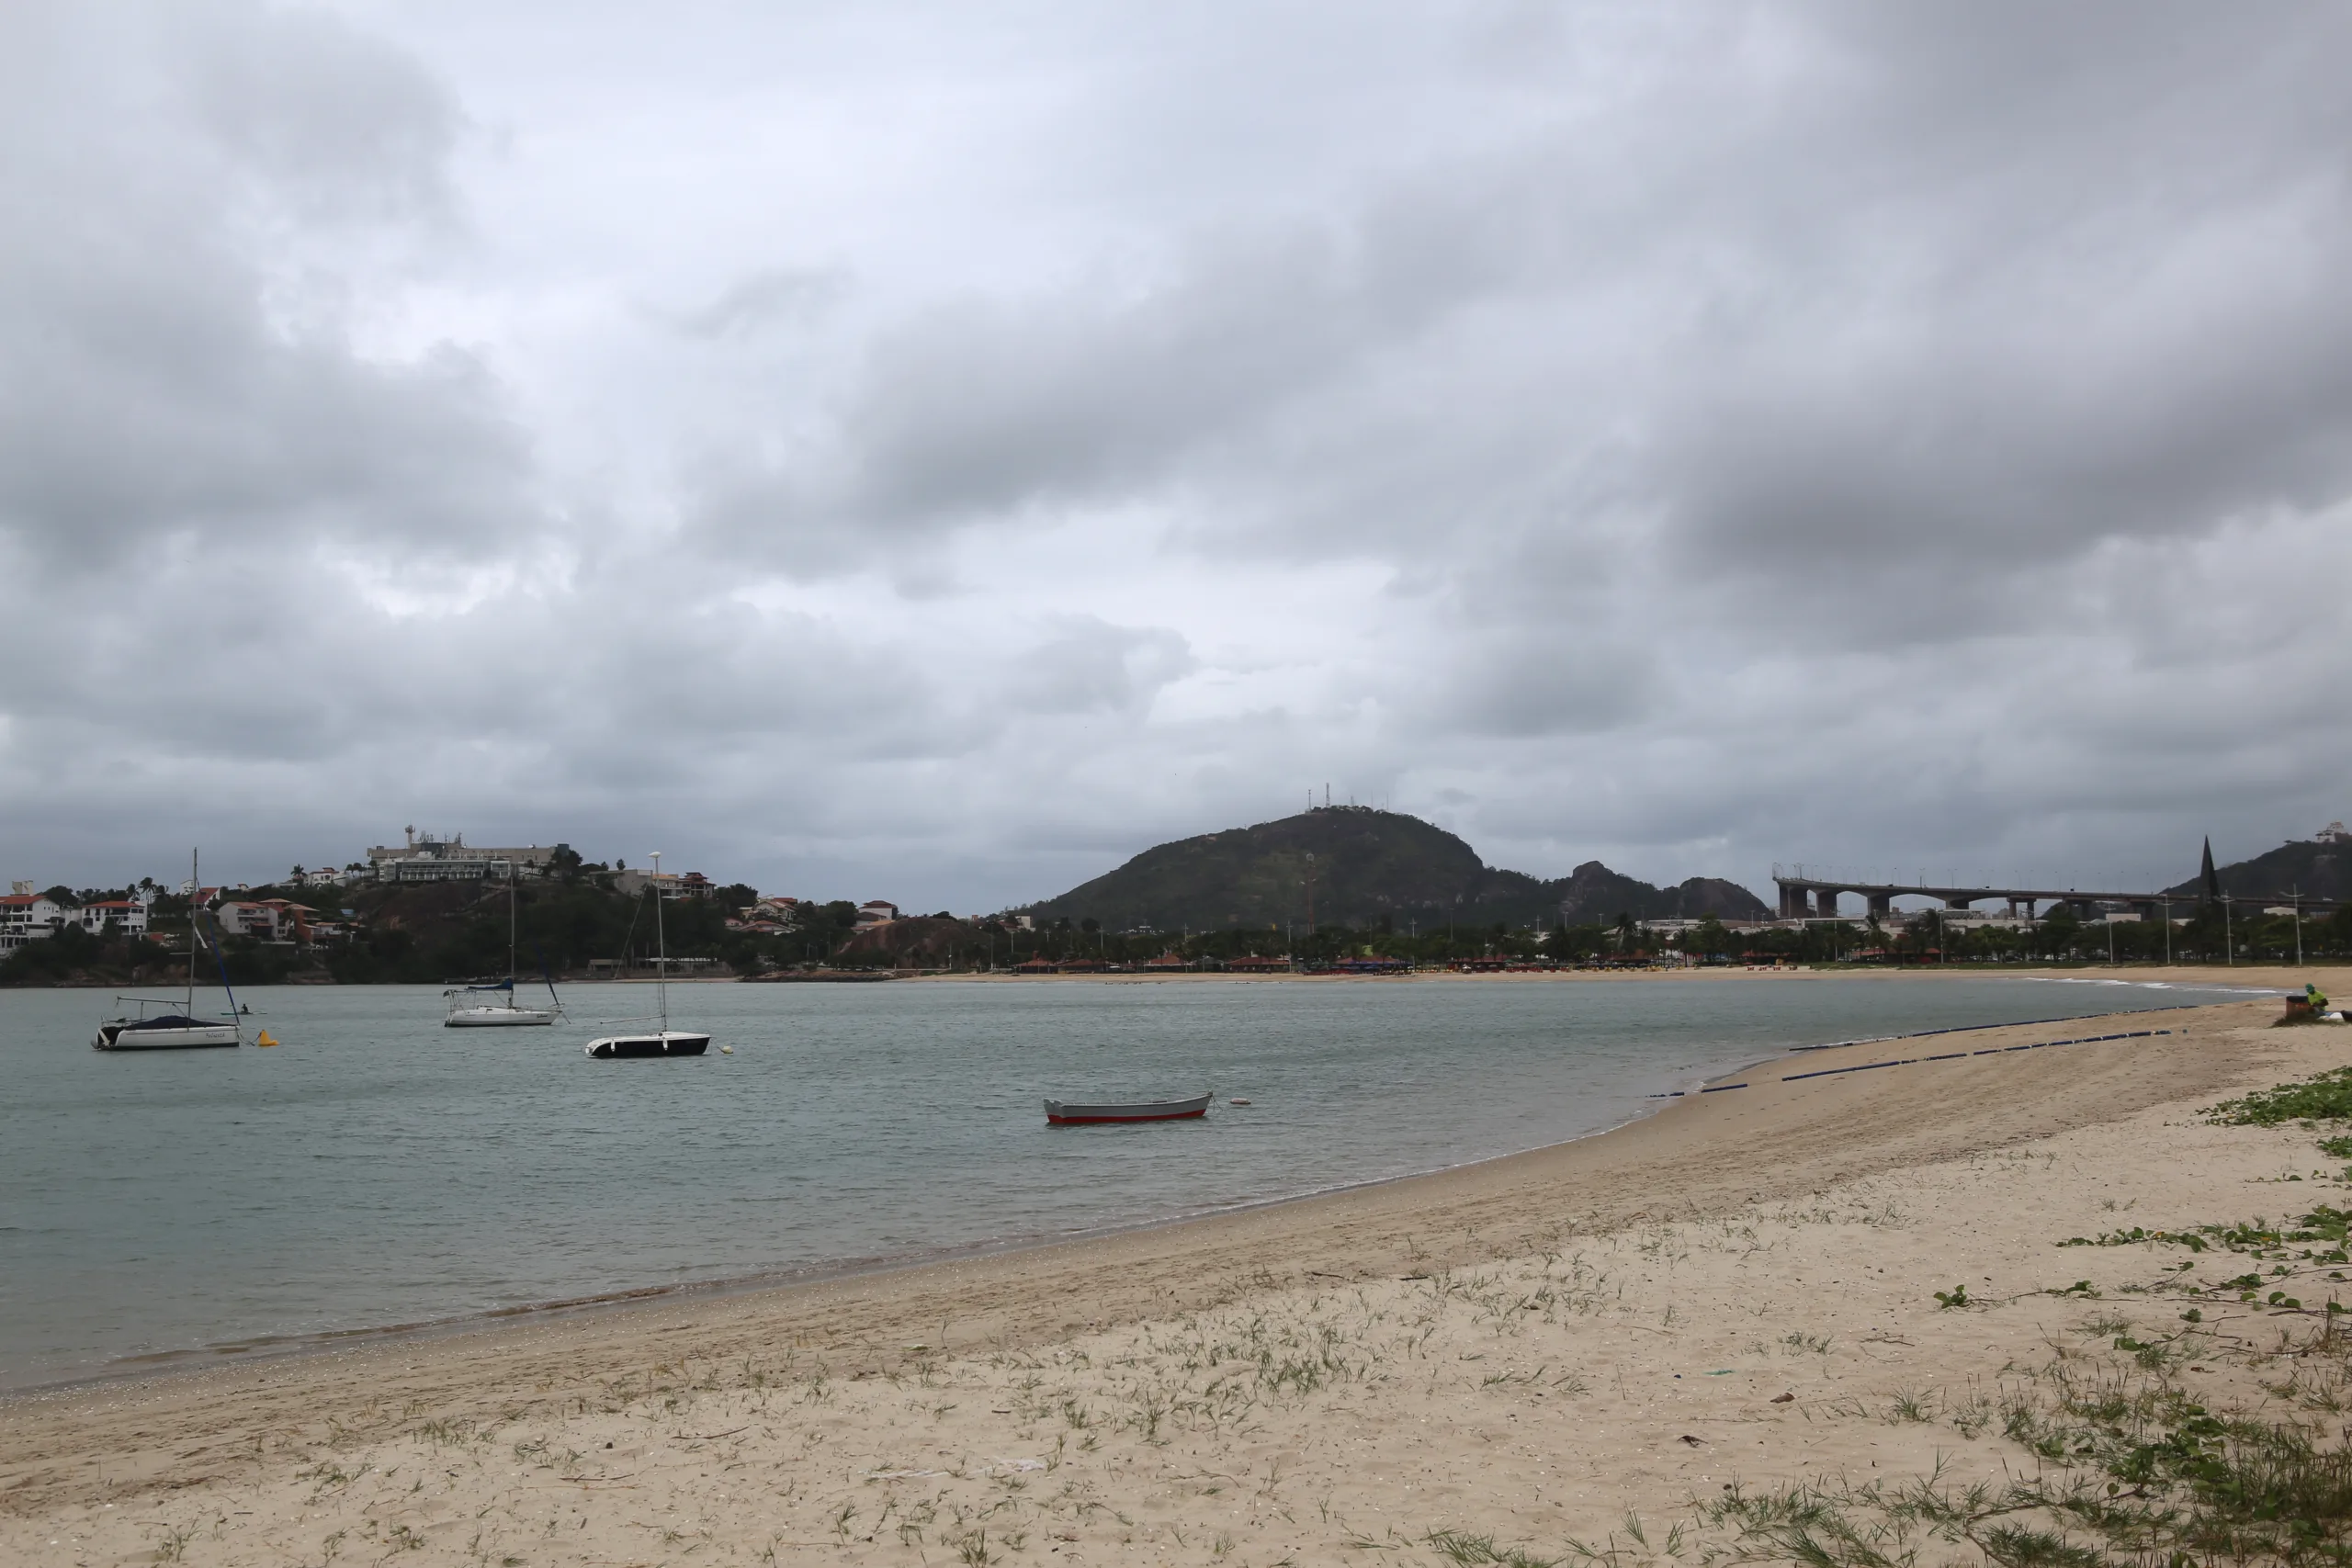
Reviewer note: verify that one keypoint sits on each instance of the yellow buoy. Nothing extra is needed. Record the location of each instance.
(264, 1039)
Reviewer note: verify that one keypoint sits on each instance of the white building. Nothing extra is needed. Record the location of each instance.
(240, 918)
(433, 868)
(673, 885)
(26, 916)
(129, 915)
(875, 912)
(429, 858)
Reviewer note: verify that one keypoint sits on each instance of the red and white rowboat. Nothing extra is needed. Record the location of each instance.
(1059, 1114)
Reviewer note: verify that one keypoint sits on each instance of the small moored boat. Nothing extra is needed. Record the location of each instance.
(175, 1027)
(1059, 1113)
(661, 1040)
(169, 1032)
(657, 1043)
(464, 1013)
(467, 1008)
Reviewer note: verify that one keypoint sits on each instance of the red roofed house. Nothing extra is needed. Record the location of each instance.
(26, 916)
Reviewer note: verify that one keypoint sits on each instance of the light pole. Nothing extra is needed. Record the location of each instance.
(2297, 897)
(2229, 934)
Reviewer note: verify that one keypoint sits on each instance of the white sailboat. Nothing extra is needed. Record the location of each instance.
(467, 1011)
(176, 1028)
(663, 1040)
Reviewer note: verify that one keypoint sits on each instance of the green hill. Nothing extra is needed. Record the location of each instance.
(2319, 868)
(1368, 867)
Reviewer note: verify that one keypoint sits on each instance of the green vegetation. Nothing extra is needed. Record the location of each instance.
(1381, 886)
(2128, 1467)
(1367, 868)
(2326, 1097)
(74, 952)
(2175, 1485)
(2320, 868)
(442, 932)
(2298, 1248)
(430, 933)
(2061, 937)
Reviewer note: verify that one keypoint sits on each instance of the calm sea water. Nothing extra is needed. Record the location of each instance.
(379, 1170)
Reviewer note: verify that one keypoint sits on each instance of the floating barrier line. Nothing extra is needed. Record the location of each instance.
(1833, 1072)
(1969, 1028)
(1956, 1055)
(1946, 1056)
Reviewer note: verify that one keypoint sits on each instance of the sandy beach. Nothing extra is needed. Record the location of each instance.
(1587, 1349)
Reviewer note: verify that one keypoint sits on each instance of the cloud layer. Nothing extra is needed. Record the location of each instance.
(935, 454)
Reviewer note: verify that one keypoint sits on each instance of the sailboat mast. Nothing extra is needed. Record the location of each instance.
(661, 948)
(510, 933)
(195, 883)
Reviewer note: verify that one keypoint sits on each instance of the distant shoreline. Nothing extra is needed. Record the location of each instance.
(2263, 975)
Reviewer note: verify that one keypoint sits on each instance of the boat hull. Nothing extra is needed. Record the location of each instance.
(195, 1034)
(498, 1018)
(641, 1047)
(1061, 1114)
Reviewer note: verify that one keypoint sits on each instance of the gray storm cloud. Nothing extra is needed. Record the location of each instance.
(937, 461)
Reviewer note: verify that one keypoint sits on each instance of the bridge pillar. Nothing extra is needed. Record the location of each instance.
(1882, 905)
(1825, 902)
(1791, 902)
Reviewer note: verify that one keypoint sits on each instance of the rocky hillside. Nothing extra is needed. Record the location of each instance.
(1367, 866)
(2319, 868)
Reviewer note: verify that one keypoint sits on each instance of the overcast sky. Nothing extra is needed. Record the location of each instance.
(934, 452)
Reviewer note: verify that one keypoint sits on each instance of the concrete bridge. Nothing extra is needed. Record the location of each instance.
(1816, 898)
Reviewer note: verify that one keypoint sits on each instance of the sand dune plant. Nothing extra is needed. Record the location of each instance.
(1972, 1418)
(1471, 1551)
(2325, 1098)
(1880, 1525)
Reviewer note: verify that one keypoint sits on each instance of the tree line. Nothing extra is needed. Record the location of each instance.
(405, 935)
